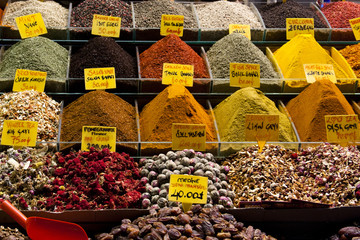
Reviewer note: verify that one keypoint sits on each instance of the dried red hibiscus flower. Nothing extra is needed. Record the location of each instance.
(98, 179)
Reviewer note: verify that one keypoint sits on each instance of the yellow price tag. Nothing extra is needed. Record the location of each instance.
(341, 128)
(188, 189)
(31, 25)
(106, 26)
(178, 74)
(186, 136)
(242, 29)
(99, 78)
(295, 26)
(19, 133)
(355, 25)
(244, 75)
(172, 24)
(98, 137)
(29, 80)
(261, 128)
(315, 72)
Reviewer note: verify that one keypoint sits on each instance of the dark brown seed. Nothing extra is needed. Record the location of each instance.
(144, 230)
(196, 220)
(164, 212)
(223, 235)
(250, 232)
(231, 230)
(188, 230)
(219, 226)
(183, 219)
(349, 232)
(151, 220)
(115, 231)
(174, 234)
(133, 232)
(208, 228)
(176, 211)
(211, 238)
(168, 219)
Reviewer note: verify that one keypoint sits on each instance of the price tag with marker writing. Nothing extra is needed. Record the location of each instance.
(98, 137)
(172, 24)
(242, 29)
(29, 80)
(99, 78)
(19, 133)
(261, 128)
(244, 75)
(315, 72)
(188, 136)
(178, 74)
(31, 25)
(341, 129)
(188, 189)
(295, 26)
(106, 26)
(355, 26)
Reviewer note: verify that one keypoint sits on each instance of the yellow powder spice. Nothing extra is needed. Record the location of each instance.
(303, 49)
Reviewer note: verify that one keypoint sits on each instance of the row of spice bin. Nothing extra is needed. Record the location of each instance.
(191, 34)
(218, 148)
(203, 85)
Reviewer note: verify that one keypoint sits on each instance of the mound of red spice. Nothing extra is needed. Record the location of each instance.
(98, 179)
(339, 13)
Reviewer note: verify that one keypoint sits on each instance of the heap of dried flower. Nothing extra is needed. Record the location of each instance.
(98, 179)
(327, 174)
(7, 233)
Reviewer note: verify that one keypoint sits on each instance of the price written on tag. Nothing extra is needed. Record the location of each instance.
(106, 26)
(178, 74)
(172, 24)
(188, 136)
(31, 25)
(98, 137)
(315, 72)
(355, 25)
(341, 128)
(295, 26)
(244, 75)
(29, 80)
(242, 29)
(99, 78)
(19, 133)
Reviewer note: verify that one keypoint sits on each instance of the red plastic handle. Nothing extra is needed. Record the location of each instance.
(14, 213)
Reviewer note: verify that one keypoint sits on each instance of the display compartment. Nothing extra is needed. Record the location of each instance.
(266, 85)
(150, 33)
(153, 85)
(51, 85)
(123, 85)
(214, 34)
(8, 32)
(279, 34)
(84, 33)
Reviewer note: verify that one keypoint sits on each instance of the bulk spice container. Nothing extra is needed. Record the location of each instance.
(123, 195)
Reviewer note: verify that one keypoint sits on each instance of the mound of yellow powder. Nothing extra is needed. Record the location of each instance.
(303, 49)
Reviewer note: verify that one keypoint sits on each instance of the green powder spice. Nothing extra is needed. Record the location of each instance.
(39, 54)
(230, 115)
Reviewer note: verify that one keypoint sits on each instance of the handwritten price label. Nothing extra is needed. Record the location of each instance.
(106, 26)
(242, 29)
(98, 137)
(355, 25)
(19, 133)
(244, 75)
(341, 128)
(29, 80)
(172, 24)
(188, 136)
(31, 25)
(188, 190)
(295, 26)
(178, 74)
(315, 72)
(99, 78)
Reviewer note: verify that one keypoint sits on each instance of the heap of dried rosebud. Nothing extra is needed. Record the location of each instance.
(98, 179)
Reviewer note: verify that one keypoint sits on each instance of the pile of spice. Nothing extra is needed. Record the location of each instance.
(32, 106)
(303, 49)
(98, 108)
(156, 173)
(22, 176)
(352, 54)
(230, 115)
(7, 233)
(170, 49)
(173, 223)
(309, 108)
(98, 179)
(148, 13)
(53, 14)
(347, 233)
(327, 174)
(339, 13)
(82, 14)
(274, 15)
(220, 14)
(175, 104)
